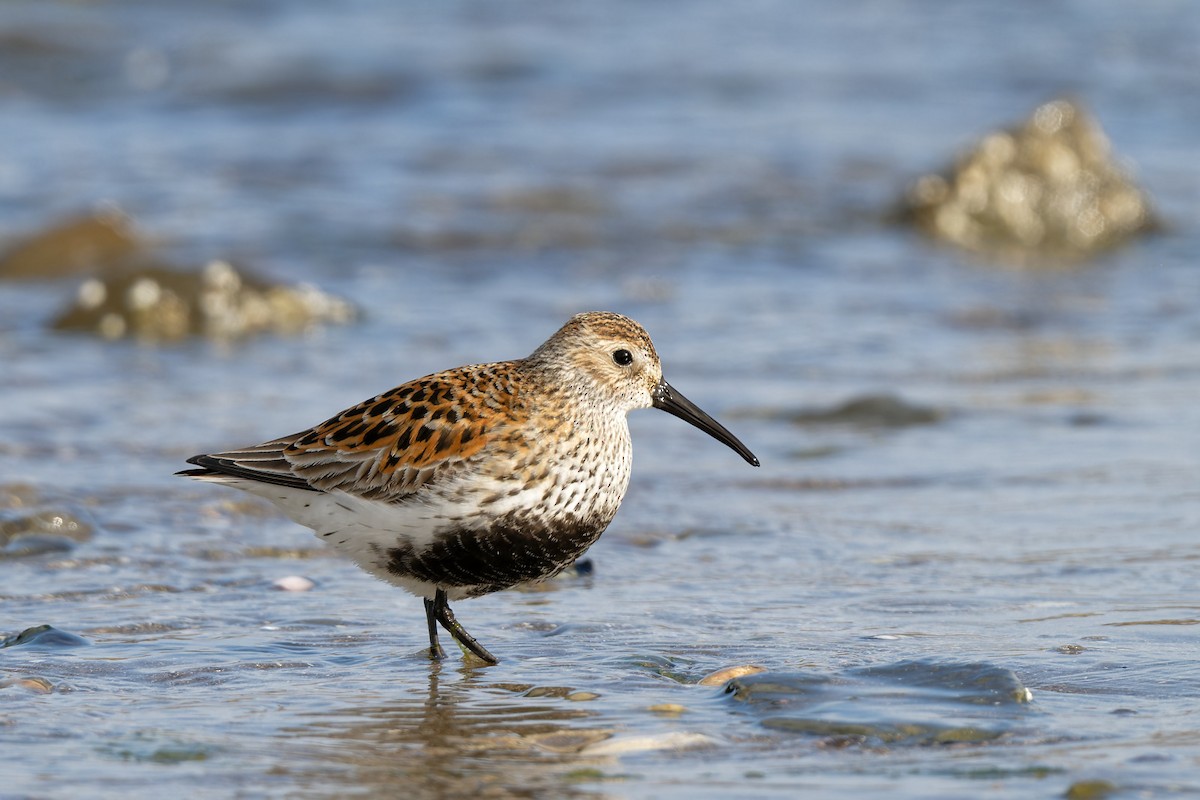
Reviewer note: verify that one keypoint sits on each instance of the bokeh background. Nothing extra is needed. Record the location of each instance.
(934, 263)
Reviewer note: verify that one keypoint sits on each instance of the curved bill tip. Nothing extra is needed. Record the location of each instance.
(670, 400)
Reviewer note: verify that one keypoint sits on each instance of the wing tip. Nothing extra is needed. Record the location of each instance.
(208, 467)
(195, 473)
(215, 467)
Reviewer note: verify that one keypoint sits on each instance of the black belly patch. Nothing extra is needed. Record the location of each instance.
(511, 550)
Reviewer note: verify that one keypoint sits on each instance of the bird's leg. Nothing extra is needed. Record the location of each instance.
(441, 609)
(435, 649)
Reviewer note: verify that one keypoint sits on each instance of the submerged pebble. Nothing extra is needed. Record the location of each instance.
(908, 703)
(550, 691)
(44, 636)
(675, 740)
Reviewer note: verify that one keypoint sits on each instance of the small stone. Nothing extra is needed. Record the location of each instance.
(293, 583)
(723, 676)
(667, 709)
(581, 697)
(34, 685)
(1090, 790)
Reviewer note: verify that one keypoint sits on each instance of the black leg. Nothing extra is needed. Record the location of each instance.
(441, 609)
(435, 649)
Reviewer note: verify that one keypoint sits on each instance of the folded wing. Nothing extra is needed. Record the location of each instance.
(389, 446)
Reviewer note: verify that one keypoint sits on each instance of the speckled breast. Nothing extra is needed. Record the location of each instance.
(533, 523)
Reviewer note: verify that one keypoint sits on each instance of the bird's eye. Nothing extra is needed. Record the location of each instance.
(623, 357)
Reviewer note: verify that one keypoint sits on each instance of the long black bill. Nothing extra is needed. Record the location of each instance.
(672, 402)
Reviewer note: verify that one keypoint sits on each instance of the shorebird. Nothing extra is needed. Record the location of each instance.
(478, 478)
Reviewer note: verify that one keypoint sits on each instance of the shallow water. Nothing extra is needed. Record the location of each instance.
(998, 599)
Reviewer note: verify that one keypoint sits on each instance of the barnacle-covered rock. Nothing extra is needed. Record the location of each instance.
(1047, 190)
(159, 304)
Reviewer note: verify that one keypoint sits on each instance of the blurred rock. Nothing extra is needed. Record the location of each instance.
(18, 495)
(39, 533)
(158, 304)
(865, 411)
(93, 243)
(54, 523)
(1047, 190)
(1091, 790)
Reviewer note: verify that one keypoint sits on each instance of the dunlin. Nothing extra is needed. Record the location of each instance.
(475, 479)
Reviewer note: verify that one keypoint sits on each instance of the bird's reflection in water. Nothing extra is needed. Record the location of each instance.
(467, 737)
